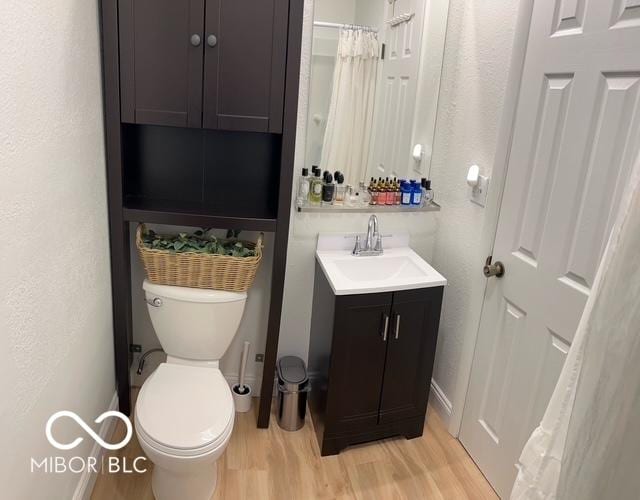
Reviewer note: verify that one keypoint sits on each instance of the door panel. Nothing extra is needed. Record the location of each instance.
(160, 69)
(412, 342)
(244, 71)
(577, 132)
(359, 356)
(398, 89)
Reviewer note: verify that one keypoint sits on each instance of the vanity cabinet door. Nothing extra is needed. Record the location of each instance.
(357, 364)
(415, 318)
(244, 68)
(161, 51)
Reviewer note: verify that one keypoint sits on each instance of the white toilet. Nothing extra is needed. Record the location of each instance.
(184, 414)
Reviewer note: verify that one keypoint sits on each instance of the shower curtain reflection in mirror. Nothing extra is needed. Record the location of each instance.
(348, 131)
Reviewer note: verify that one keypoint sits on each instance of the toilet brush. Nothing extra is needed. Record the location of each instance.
(241, 391)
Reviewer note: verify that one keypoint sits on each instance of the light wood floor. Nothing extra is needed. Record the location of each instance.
(274, 464)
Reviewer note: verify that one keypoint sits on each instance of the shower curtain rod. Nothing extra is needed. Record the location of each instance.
(322, 24)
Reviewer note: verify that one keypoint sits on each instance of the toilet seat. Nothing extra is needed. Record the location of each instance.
(184, 410)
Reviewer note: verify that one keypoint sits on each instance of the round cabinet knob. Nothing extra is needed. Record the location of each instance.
(212, 40)
(195, 40)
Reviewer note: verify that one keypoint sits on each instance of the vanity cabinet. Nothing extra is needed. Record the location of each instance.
(370, 361)
(215, 64)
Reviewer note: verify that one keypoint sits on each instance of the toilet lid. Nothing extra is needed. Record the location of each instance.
(185, 407)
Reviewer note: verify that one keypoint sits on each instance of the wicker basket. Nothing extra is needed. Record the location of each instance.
(198, 270)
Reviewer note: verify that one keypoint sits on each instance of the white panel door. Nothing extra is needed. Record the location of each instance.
(396, 101)
(577, 132)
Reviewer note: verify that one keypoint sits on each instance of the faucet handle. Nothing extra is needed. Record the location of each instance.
(357, 248)
(378, 245)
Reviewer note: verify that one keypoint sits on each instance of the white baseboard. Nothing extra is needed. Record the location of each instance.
(88, 479)
(440, 403)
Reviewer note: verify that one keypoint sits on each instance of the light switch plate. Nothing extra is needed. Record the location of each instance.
(479, 193)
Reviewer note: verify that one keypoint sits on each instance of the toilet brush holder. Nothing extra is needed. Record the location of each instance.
(242, 399)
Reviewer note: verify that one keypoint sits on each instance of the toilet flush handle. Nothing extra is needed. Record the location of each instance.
(156, 302)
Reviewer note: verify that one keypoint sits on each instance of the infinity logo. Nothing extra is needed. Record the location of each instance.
(88, 430)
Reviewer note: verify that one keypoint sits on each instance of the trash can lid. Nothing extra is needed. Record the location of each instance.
(291, 370)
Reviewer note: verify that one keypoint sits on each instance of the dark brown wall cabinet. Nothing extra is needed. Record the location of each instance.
(217, 64)
(371, 360)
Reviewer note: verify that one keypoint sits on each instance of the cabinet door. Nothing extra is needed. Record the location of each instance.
(245, 59)
(412, 345)
(161, 61)
(357, 362)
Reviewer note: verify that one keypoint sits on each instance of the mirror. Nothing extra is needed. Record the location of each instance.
(375, 81)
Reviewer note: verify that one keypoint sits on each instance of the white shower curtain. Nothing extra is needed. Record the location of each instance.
(349, 125)
(587, 446)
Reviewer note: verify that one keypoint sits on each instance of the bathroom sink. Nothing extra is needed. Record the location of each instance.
(398, 268)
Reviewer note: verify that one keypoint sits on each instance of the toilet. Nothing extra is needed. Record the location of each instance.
(184, 413)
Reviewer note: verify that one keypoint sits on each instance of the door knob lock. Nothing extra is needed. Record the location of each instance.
(496, 269)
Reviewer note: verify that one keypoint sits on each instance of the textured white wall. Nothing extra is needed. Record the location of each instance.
(477, 58)
(55, 305)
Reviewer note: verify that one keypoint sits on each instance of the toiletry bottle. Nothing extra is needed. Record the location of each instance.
(341, 189)
(370, 189)
(391, 196)
(303, 188)
(328, 189)
(416, 195)
(397, 195)
(405, 188)
(348, 195)
(315, 189)
(382, 198)
(373, 192)
(364, 198)
(385, 191)
(427, 192)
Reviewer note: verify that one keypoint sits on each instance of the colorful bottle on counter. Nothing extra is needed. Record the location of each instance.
(397, 195)
(405, 189)
(391, 197)
(373, 192)
(416, 194)
(315, 189)
(328, 189)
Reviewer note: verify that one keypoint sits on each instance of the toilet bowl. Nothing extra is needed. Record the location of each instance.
(184, 413)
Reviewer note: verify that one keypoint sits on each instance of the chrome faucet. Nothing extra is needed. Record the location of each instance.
(373, 243)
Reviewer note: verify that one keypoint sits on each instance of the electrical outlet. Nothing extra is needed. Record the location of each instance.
(259, 358)
(479, 192)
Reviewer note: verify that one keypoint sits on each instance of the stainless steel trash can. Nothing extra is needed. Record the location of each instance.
(293, 386)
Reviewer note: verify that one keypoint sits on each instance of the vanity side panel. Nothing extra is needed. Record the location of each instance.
(322, 326)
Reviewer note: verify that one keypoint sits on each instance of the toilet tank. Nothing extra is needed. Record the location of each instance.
(192, 323)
